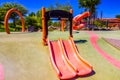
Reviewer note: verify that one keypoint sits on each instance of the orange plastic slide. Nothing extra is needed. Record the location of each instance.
(81, 16)
(83, 67)
(62, 66)
(66, 59)
(77, 19)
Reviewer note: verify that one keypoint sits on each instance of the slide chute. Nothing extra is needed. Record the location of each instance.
(77, 21)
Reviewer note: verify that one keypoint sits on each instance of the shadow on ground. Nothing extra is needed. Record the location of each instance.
(80, 41)
(92, 73)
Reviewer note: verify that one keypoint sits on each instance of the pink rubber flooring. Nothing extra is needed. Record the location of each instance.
(1, 73)
(93, 39)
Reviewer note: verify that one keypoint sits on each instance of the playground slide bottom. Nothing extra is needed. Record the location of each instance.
(82, 66)
(63, 69)
(66, 60)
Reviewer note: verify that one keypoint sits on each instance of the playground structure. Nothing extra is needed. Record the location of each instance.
(54, 14)
(63, 53)
(63, 24)
(7, 17)
(76, 21)
(77, 24)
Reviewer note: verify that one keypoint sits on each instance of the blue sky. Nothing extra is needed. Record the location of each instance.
(109, 7)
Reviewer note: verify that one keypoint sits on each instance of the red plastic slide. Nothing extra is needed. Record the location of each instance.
(83, 67)
(59, 61)
(66, 59)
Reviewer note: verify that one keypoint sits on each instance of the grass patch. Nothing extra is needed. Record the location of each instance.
(2, 30)
(109, 34)
(12, 29)
(112, 51)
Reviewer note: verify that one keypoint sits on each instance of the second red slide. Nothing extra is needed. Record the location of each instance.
(83, 67)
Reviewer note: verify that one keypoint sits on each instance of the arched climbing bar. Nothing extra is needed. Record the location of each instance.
(7, 18)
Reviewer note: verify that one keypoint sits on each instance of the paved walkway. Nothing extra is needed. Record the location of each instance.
(113, 42)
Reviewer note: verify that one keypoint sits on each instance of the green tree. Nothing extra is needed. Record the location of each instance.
(39, 18)
(34, 19)
(118, 16)
(32, 14)
(66, 6)
(31, 20)
(2, 12)
(6, 6)
(39, 13)
(99, 23)
(89, 5)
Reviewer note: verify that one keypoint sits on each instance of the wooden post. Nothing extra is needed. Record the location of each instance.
(62, 24)
(71, 11)
(44, 27)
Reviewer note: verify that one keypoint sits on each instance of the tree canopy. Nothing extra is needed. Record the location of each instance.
(66, 6)
(6, 6)
(118, 16)
(89, 5)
